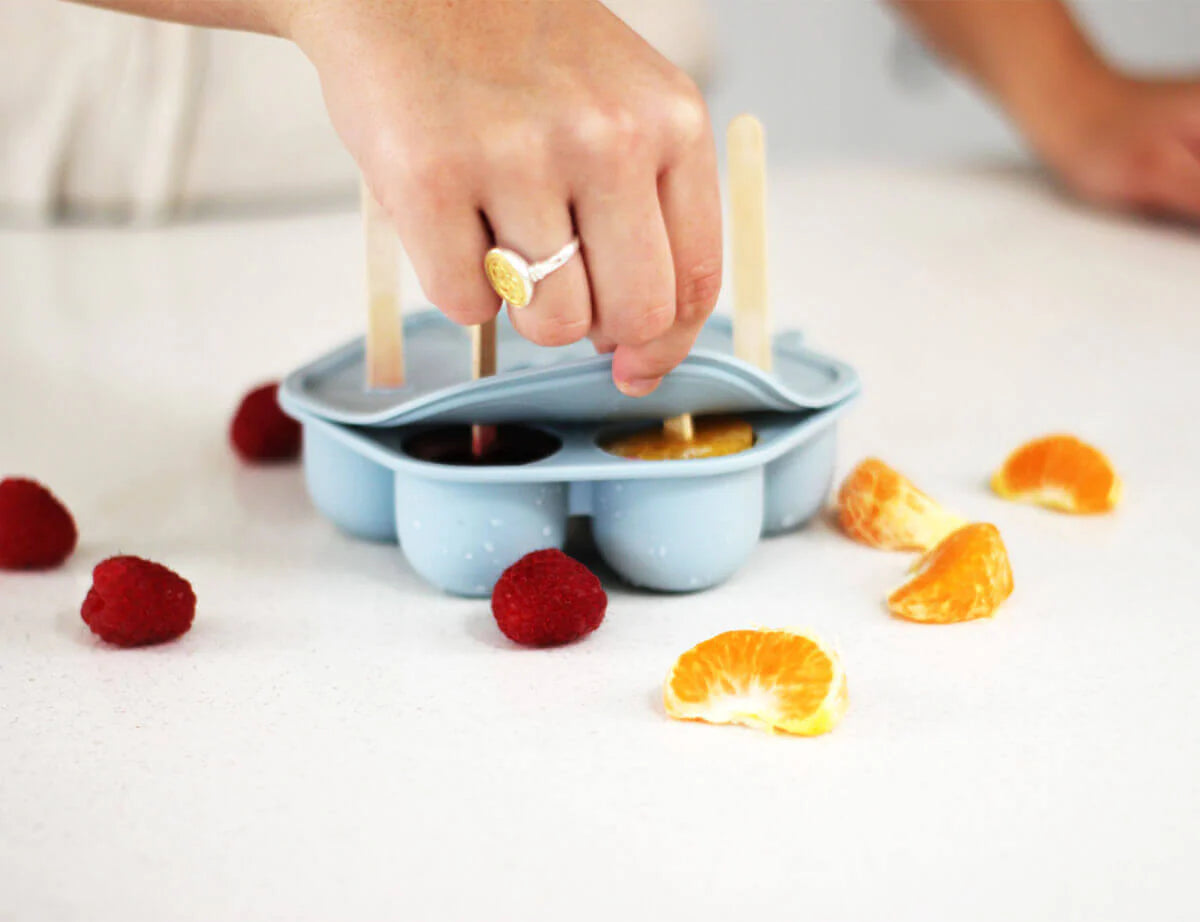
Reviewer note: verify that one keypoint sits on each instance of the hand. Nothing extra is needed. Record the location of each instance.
(1113, 140)
(1131, 144)
(522, 122)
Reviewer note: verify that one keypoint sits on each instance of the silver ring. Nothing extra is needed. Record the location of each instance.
(513, 277)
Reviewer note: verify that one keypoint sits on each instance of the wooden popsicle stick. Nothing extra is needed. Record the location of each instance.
(748, 215)
(385, 331)
(680, 428)
(746, 150)
(483, 365)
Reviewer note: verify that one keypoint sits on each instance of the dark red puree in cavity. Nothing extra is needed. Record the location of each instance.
(514, 445)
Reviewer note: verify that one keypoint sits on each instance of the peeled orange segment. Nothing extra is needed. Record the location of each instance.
(1059, 472)
(880, 507)
(965, 577)
(778, 680)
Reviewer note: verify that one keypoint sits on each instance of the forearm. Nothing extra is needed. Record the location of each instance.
(1029, 55)
(267, 16)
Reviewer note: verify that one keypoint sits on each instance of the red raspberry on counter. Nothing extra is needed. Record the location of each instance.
(261, 431)
(546, 599)
(134, 602)
(36, 530)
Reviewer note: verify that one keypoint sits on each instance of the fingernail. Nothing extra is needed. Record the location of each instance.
(638, 387)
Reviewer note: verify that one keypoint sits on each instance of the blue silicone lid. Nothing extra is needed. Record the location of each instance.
(570, 383)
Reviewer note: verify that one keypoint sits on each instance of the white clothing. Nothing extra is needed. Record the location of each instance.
(108, 116)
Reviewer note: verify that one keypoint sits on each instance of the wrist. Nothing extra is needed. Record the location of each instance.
(332, 32)
(303, 22)
(280, 16)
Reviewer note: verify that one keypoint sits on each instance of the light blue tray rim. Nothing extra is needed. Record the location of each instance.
(580, 458)
(575, 389)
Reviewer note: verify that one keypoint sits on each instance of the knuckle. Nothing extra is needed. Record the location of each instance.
(603, 344)
(434, 176)
(646, 324)
(519, 154)
(604, 135)
(382, 150)
(470, 315)
(460, 302)
(1142, 169)
(442, 289)
(687, 116)
(558, 329)
(421, 168)
(1151, 159)
(699, 288)
(654, 366)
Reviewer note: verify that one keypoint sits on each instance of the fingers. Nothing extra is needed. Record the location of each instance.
(638, 370)
(1174, 186)
(691, 207)
(445, 238)
(603, 345)
(447, 246)
(691, 204)
(536, 224)
(628, 257)
(1189, 126)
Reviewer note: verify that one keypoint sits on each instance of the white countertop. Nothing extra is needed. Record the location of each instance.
(335, 740)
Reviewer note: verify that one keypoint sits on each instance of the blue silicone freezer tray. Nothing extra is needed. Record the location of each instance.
(666, 525)
(566, 384)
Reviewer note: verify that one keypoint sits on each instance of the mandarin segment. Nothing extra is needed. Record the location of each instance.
(881, 507)
(965, 577)
(778, 680)
(1059, 472)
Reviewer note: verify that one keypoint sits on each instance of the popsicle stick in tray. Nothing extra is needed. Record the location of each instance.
(681, 428)
(748, 218)
(746, 151)
(483, 365)
(385, 330)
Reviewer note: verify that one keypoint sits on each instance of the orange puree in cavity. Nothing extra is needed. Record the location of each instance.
(715, 436)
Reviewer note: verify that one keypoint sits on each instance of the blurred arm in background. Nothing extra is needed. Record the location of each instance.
(520, 123)
(1113, 138)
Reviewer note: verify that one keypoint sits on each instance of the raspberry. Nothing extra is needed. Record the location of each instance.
(134, 602)
(36, 530)
(261, 431)
(546, 599)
